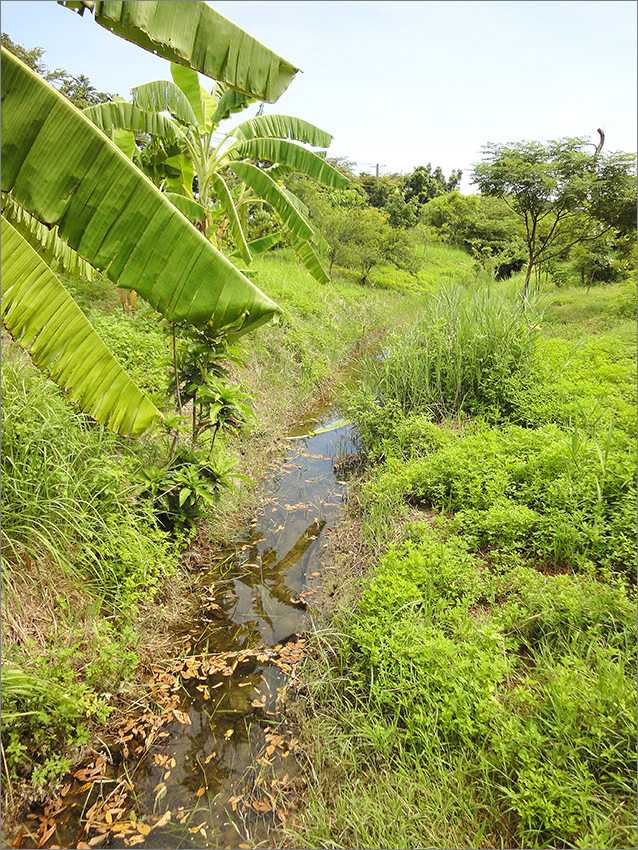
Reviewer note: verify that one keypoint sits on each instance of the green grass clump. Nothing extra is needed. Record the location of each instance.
(520, 685)
(457, 357)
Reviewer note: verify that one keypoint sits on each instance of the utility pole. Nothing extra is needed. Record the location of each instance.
(379, 166)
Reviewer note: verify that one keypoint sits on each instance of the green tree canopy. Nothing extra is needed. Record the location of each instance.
(563, 192)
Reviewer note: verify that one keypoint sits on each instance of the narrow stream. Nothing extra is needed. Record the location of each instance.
(213, 765)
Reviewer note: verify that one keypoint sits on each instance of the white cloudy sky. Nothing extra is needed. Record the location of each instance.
(404, 83)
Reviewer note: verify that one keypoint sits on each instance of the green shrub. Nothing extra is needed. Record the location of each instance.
(528, 678)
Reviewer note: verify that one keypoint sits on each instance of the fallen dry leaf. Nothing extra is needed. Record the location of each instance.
(164, 819)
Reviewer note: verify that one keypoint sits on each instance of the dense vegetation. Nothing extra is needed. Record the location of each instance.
(481, 692)
(474, 682)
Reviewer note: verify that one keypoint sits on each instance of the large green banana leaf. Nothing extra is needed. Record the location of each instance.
(301, 159)
(65, 172)
(120, 115)
(187, 81)
(187, 206)
(229, 101)
(46, 242)
(303, 210)
(43, 317)
(310, 260)
(164, 96)
(282, 127)
(195, 35)
(266, 188)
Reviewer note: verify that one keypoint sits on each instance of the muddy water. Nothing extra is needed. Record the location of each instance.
(214, 764)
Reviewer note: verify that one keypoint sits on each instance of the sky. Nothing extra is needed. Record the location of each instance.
(405, 82)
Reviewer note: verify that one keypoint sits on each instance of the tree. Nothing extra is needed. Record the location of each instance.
(424, 184)
(564, 194)
(363, 239)
(68, 175)
(184, 157)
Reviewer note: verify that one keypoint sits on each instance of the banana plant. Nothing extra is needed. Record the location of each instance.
(68, 175)
(62, 174)
(191, 159)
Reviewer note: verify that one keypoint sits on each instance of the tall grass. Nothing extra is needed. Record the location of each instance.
(458, 355)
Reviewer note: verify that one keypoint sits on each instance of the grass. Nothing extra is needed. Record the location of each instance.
(480, 690)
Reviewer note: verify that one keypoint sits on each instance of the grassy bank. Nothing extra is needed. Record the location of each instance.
(91, 585)
(477, 688)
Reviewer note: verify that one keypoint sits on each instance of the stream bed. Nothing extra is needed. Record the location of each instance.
(213, 764)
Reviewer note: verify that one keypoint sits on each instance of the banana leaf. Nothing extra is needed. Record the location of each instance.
(311, 261)
(288, 153)
(187, 206)
(266, 188)
(229, 101)
(45, 320)
(196, 36)
(65, 172)
(187, 81)
(164, 96)
(225, 198)
(282, 127)
(46, 242)
(119, 115)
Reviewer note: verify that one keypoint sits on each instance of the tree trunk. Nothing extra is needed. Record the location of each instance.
(528, 275)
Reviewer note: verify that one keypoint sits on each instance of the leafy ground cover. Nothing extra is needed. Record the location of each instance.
(482, 690)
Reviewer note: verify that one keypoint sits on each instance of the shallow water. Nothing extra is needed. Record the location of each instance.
(217, 752)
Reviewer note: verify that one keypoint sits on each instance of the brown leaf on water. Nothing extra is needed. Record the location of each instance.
(133, 840)
(208, 758)
(166, 775)
(270, 750)
(98, 839)
(201, 791)
(233, 802)
(47, 835)
(164, 819)
(65, 790)
(143, 828)
(82, 845)
(262, 805)
(228, 733)
(182, 717)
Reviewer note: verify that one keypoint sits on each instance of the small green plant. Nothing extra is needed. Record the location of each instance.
(200, 378)
(184, 489)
